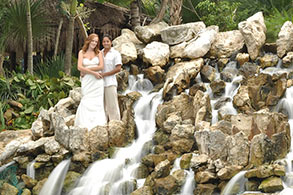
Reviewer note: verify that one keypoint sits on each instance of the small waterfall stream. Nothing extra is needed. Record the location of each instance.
(235, 185)
(54, 184)
(117, 175)
(30, 169)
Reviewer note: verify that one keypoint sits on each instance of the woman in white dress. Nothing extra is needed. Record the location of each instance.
(90, 112)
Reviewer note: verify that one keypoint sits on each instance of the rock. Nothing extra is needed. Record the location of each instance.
(249, 69)
(268, 60)
(238, 149)
(212, 143)
(198, 160)
(171, 122)
(8, 189)
(205, 189)
(241, 58)
(156, 54)
(288, 59)
(155, 73)
(69, 181)
(271, 184)
(182, 131)
(162, 169)
(185, 161)
(43, 158)
(151, 32)
(52, 146)
(166, 185)
(227, 43)
(98, 139)
(285, 38)
(28, 181)
(208, 73)
(180, 176)
(145, 190)
(253, 30)
(176, 34)
(204, 177)
(201, 44)
(117, 133)
(228, 172)
(218, 87)
(26, 192)
(127, 50)
(202, 109)
(37, 189)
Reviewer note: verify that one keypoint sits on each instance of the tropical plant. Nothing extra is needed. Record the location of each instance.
(24, 95)
(275, 21)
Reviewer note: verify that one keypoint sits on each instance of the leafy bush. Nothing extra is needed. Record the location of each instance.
(24, 95)
(275, 21)
(221, 13)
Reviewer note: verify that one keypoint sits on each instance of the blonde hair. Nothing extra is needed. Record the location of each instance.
(88, 40)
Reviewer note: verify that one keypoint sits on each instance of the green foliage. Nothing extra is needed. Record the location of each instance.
(14, 20)
(51, 67)
(221, 13)
(123, 3)
(34, 94)
(275, 21)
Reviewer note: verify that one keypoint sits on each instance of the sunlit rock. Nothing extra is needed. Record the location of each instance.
(208, 73)
(288, 59)
(127, 50)
(151, 32)
(201, 44)
(271, 184)
(155, 73)
(166, 185)
(285, 39)
(238, 149)
(156, 54)
(176, 34)
(253, 30)
(241, 58)
(228, 172)
(202, 107)
(268, 60)
(227, 43)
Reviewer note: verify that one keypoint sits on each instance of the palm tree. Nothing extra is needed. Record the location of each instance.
(69, 37)
(29, 38)
(16, 33)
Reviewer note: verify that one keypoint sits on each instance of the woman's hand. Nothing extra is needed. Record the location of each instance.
(98, 75)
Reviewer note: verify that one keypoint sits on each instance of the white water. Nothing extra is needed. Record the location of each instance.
(235, 185)
(117, 175)
(286, 105)
(30, 169)
(2, 168)
(54, 184)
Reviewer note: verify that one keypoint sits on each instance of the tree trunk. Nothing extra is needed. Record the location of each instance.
(69, 38)
(1, 64)
(57, 38)
(162, 12)
(175, 12)
(29, 38)
(82, 28)
(134, 12)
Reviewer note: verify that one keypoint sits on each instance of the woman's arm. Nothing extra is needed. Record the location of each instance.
(84, 70)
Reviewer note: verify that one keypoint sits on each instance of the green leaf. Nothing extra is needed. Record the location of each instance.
(29, 110)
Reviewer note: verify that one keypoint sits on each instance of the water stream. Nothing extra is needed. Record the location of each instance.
(30, 169)
(118, 174)
(54, 184)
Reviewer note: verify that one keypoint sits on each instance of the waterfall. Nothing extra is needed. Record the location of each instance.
(117, 175)
(286, 105)
(54, 184)
(30, 169)
(189, 184)
(235, 185)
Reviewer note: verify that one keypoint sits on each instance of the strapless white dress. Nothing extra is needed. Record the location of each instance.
(90, 112)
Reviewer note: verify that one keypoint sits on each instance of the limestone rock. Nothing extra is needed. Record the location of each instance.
(156, 54)
(285, 39)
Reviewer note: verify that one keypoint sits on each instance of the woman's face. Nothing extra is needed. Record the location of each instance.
(106, 43)
(94, 42)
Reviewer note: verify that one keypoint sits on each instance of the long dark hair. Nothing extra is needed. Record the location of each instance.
(88, 41)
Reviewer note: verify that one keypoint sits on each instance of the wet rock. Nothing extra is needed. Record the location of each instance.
(37, 189)
(166, 185)
(8, 189)
(252, 184)
(218, 87)
(185, 161)
(26, 192)
(228, 172)
(249, 69)
(28, 181)
(205, 189)
(69, 181)
(208, 73)
(43, 158)
(145, 190)
(142, 171)
(198, 160)
(202, 108)
(241, 58)
(162, 169)
(155, 73)
(180, 176)
(204, 177)
(268, 60)
(122, 80)
(182, 145)
(172, 121)
(271, 184)
(117, 133)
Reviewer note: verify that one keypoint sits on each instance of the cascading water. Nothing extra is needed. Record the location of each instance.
(30, 170)
(235, 185)
(54, 184)
(286, 105)
(117, 175)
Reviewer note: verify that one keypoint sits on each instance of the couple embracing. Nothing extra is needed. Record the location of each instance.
(99, 102)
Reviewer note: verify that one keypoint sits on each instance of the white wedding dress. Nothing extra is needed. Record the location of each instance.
(90, 112)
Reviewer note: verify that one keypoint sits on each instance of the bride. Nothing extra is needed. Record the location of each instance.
(90, 112)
